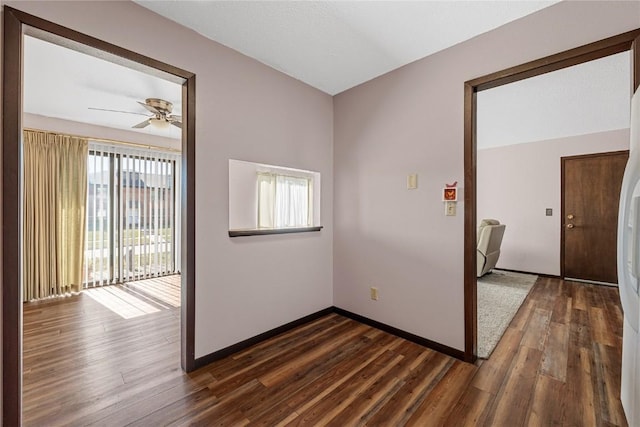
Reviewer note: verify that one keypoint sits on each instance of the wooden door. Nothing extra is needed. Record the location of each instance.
(590, 196)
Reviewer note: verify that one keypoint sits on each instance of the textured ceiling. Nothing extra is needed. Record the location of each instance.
(335, 45)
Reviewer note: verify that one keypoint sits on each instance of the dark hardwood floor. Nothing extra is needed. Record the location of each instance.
(557, 364)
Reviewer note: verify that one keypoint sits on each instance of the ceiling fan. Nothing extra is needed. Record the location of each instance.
(161, 109)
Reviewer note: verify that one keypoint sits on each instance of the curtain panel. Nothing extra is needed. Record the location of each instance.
(266, 200)
(54, 219)
(283, 201)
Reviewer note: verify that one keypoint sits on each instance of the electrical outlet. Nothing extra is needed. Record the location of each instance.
(374, 293)
(412, 181)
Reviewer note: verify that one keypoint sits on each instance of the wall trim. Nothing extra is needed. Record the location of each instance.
(433, 345)
(548, 276)
(242, 345)
(235, 348)
(11, 247)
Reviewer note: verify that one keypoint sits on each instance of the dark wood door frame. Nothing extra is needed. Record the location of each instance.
(16, 23)
(562, 195)
(579, 55)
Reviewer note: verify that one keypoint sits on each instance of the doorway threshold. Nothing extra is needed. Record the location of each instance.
(591, 282)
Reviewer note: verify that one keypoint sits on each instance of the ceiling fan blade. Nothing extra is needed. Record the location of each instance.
(142, 124)
(177, 124)
(115, 111)
(150, 108)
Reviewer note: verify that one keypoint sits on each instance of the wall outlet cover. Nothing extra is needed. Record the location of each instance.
(412, 181)
(450, 208)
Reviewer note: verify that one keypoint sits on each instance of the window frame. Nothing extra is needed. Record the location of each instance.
(244, 178)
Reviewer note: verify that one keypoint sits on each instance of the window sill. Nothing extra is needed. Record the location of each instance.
(265, 231)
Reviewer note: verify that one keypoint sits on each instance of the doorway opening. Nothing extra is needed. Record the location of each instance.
(524, 131)
(559, 61)
(16, 25)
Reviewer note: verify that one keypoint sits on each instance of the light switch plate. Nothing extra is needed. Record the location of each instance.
(450, 208)
(412, 181)
(549, 212)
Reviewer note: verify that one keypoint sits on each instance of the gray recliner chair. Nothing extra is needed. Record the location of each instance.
(490, 234)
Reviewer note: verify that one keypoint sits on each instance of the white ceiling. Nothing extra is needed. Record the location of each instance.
(335, 45)
(63, 83)
(583, 99)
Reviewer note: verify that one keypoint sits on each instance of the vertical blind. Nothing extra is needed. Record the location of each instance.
(133, 223)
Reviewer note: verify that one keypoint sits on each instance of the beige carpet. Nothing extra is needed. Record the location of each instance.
(500, 295)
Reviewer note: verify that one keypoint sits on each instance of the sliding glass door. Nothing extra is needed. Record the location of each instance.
(132, 220)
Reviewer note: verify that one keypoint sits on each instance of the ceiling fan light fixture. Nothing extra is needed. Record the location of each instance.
(161, 119)
(159, 123)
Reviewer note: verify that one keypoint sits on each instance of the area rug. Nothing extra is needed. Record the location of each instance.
(500, 295)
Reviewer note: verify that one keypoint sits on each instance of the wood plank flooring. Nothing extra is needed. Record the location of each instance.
(557, 364)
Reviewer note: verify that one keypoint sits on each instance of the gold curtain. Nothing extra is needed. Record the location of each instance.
(54, 220)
